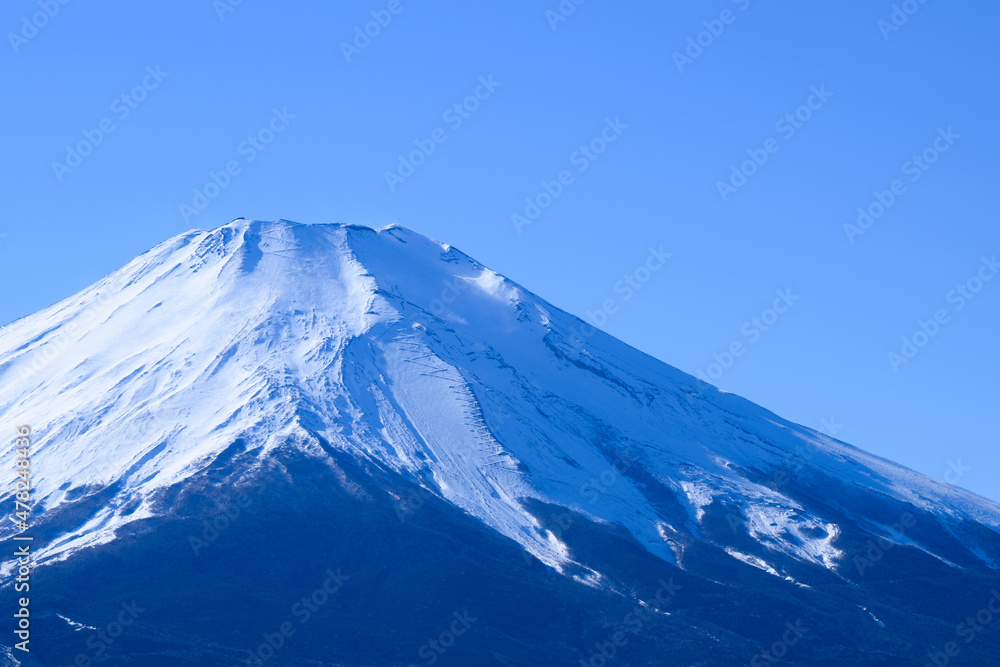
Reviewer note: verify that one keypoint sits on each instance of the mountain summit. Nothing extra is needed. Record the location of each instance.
(379, 409)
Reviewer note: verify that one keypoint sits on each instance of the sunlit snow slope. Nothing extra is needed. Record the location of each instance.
(398, 349)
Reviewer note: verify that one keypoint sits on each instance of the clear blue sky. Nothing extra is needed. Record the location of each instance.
(309, 129)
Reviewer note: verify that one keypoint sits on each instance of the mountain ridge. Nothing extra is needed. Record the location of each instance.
(410, 376)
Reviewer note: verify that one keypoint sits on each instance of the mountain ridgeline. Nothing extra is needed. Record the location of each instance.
(283, 444)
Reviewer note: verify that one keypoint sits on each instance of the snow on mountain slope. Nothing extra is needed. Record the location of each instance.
(390, 346)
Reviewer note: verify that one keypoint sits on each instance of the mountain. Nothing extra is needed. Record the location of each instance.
(285, 444)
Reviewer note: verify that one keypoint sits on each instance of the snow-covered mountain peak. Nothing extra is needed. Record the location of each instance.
(389, 348)
(215, 335)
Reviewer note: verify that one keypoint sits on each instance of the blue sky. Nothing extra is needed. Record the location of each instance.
(568, 150)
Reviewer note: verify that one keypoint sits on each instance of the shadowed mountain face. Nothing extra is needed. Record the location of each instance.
(280, 444)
